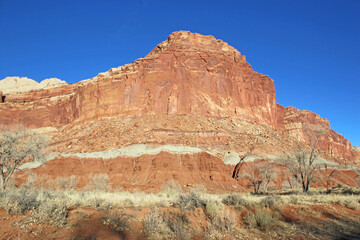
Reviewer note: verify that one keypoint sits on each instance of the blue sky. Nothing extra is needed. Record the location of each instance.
(310, 48)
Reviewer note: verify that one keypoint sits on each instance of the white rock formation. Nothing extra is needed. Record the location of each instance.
(23, 84)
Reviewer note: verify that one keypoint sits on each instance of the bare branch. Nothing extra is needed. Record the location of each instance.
(18, 144)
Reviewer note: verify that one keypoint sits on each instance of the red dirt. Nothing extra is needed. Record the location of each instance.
(146, 173)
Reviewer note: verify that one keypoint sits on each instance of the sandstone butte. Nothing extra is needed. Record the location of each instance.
(190, 90)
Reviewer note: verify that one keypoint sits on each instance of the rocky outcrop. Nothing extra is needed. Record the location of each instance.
(187, 75)
(332, 144)
(145, 173)
(356, 154)
(11, 85)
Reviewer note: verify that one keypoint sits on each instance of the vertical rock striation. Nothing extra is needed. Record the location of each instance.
(187, 74)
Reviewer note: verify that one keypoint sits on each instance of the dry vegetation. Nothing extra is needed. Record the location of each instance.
(331, 213)
(174, 214)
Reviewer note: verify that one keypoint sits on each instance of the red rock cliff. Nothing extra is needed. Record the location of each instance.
(334, 145)
(187, 74)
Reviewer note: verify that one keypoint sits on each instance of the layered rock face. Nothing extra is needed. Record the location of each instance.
(334, 145)
(187, 75)
(145, 173)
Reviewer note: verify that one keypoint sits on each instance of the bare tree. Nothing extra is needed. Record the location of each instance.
(260, 174)
(301, 161)
(270, 174)
(292, 167)
(18, 144)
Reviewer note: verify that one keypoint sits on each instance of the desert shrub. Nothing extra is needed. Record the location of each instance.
(352, 191)
(189, 201)
(236, 201)
(213, 208)
(67, 183)
(170, 226)
(220, 225)
(224, 222)
(211, 232)
(261, 218)
(50, 212)
(98, 182)
(178, 223)
(154, 224)
(117, 223)
(19, 201)
(171, 188)
(294, 200)
(270, 202)
(99, 204)
(349, 204)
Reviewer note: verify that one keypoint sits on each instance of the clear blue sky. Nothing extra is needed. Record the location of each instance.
(310, 48)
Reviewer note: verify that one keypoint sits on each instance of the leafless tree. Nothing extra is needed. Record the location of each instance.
(329, 176)
(300, 162)
(270, 174)
(259, 173)
(18, 144)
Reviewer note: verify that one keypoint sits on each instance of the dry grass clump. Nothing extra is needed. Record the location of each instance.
(66, 183)
(154, 224)
(171, 188)
(236, 201)
(105, 200)
(213, 208)
(49, 212)
(262, 219)
(220, 220)
(117, 223)
(158, 225)
(351, 204)
(270, 202)
(189, 201)
(339, 189)
(293, 200)
(178, 223)
(45, 207)
(19, 201)
(223, 222)
(98, 182)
